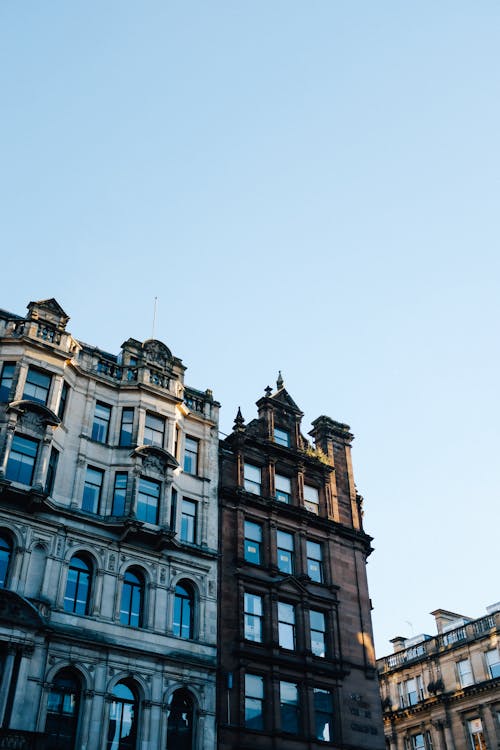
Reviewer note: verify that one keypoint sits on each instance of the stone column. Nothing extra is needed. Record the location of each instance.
(6, 680)
(9, 435)
(40, 474)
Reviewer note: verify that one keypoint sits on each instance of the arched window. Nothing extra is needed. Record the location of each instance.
(122, 729)
(180, 721)
(5, 557)
(62, 711)
(77, 596)
(183, 622)
(132, 603)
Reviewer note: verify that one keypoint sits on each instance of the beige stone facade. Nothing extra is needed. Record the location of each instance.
(442, 692)
(108, 543)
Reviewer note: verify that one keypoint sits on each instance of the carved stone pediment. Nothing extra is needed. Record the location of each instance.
(156, 353)
(155, 459)
(16, 610)
(50, 311)
(34, 417)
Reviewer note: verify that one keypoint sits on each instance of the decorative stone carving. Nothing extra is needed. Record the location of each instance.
(112, 562)
(156, 352)
(33, 422)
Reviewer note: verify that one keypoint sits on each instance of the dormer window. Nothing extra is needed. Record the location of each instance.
(37, 386)
(282, 437)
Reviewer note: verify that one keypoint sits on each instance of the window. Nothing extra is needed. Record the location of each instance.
(314, 561)
(253, 617)
(119, 493)
(100, 426)
(5, 558)
(148, 500)
(182, 625)
(323, 715)
(22, 458)
(132, 599)
(411, 691)
(418, 742)
(51, 470)
(285, 551)
(6, 380)
(283, 488)
(77, 596)
(493, 662)
(253, 542)
(254, 701)
(154, 430)
(63, 400)
(286, 625)
(191, 455)
(62, 711)
(318, 630)
(92, 490)
(282, 437)
(464, 673)
(188, 521)
(252, 479)
(37, 386)
(476, 736)
(289, 707)
(126, 427)
(180, 721)
(122, 730)
(311, 499)
(173, 508)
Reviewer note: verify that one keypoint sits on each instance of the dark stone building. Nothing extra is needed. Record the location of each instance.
(297, 666)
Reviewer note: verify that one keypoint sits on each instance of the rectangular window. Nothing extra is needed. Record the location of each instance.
(283, 488)
(465, 673)
(92, 490)
(252, 479)
(37, 386)
(100, 425)
(22, 459)
(254, 701)
(311, 499)
(314, 561)
(173, 508)
(286, 625)
(493, 663)
(191, 447)
(126, 427)
(188, 521)
(417, 742)
(253, 617)
(51, 470)
(318, 630)
(476, 736)
(63, 400)
(6, 380)
(119, 493)
(413, 690)
(289, 707)
(282, 437)
(148, 500)
(284, 543)
(154, 430)
(253, 542)
(323, 715)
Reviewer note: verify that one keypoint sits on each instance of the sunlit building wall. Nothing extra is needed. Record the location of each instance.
(297, 667)
(442, 692)
(108, 543)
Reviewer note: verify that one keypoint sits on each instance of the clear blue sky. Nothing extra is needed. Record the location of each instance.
(305, 186)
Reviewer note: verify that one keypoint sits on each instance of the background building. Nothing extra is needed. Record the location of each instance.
(108, 543)
(443, 692)
(296, 657)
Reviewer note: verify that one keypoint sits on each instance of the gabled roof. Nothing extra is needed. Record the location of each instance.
(49, 304)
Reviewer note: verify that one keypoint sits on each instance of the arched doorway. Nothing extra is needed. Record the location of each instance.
(180, 730)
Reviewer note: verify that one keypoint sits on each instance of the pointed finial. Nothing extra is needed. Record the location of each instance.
(268, 390)
(239, 422)
(280, 382)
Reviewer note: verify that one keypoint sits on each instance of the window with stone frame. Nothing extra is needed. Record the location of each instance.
(37, 386)
(22, 459)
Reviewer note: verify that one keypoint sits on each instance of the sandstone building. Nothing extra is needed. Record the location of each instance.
(108, 543)
(442, 692)
(297, 667)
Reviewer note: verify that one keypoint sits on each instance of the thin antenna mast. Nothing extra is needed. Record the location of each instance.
(155, 306)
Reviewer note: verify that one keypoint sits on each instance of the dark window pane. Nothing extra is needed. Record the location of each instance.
(119, 493)
(126, 427)
(6, 380)
(5, 555)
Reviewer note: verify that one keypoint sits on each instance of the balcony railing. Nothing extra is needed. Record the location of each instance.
(452, 638)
